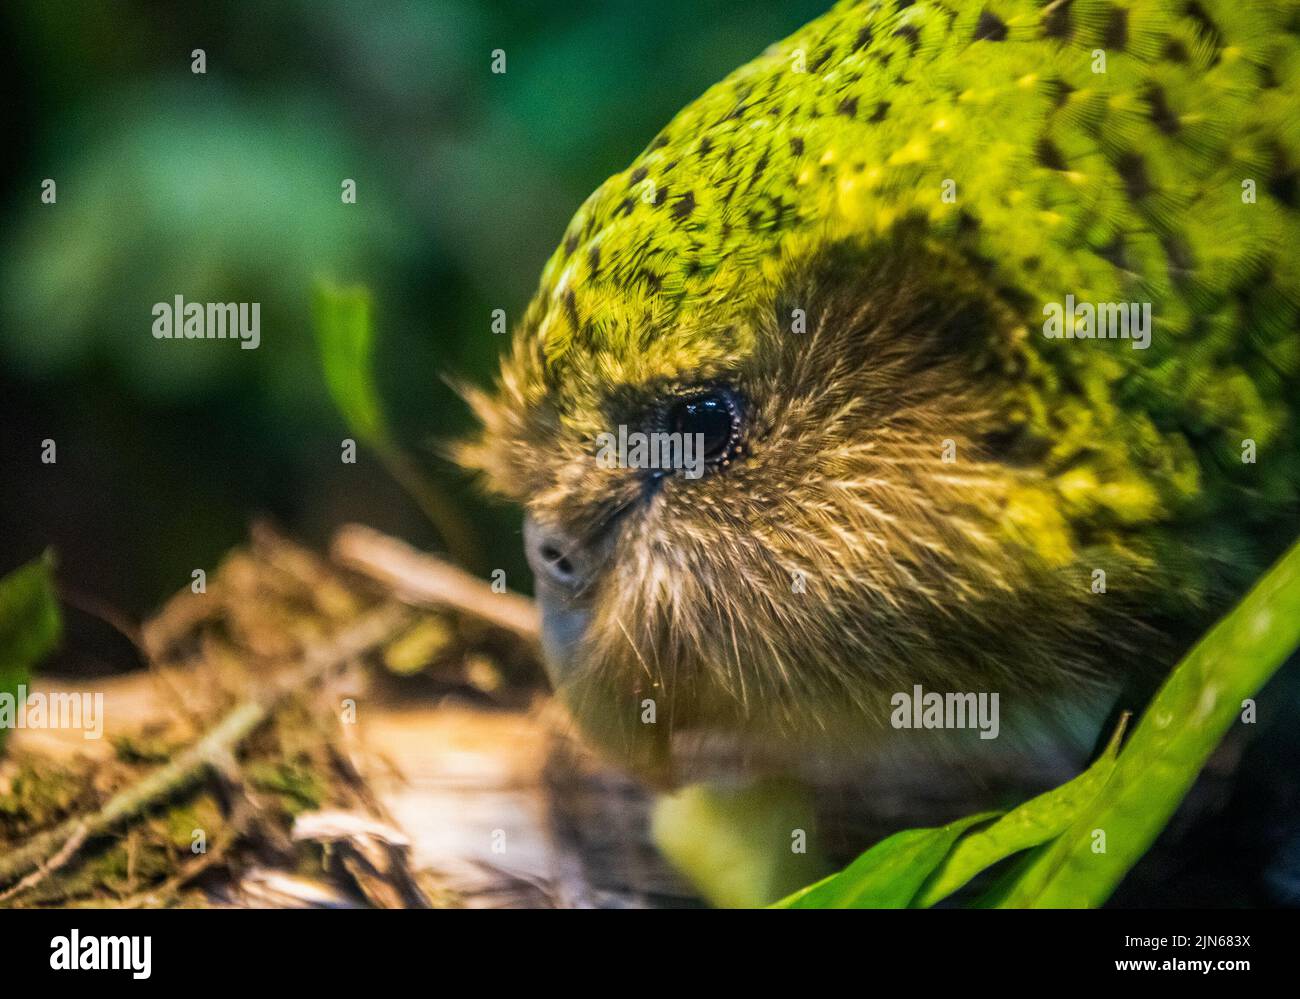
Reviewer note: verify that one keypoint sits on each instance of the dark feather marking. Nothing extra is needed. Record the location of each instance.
(1049, 156)
(1061, 92)
(1115, 253)
(1284, 181)
(989, 28)
(1057, 22)
(820, 58)
(1179, 255)
(1205, 24)
(912, 35)
(1133, 170)
(1116, 34)
(1161, 113)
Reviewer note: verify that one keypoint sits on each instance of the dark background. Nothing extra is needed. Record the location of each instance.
(226, 187)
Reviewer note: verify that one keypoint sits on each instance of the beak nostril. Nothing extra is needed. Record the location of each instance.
(558, 559)
(555, 557)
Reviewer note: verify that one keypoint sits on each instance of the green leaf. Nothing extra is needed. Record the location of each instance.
(345, 335)
(1129, 795)
(1036, 821)
(30, 624)
(888, 875)
(1186, 720)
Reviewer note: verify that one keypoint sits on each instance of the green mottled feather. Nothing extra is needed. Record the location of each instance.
(1122, 185)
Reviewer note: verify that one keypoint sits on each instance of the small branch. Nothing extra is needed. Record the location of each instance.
(425, 580)
(185, 769)
(166, 891)
(48, 867)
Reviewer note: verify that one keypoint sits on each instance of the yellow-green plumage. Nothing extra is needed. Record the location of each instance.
(997, 156)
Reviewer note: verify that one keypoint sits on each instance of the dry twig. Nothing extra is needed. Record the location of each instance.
(425, 580)
(46, 850)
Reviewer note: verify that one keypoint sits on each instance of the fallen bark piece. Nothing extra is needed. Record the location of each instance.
(375, 854)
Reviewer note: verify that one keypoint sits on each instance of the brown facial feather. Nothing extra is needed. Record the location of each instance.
(840, 559)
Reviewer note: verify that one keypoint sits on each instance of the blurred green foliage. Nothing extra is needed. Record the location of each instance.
(30, 625)
(226, 186)
(345, 334)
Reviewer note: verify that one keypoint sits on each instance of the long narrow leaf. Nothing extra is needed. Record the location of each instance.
(1186, 720)
(345, 335)
(1036, 821)
(888, 875)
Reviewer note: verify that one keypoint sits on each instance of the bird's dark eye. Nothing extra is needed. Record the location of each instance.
(714, 414)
